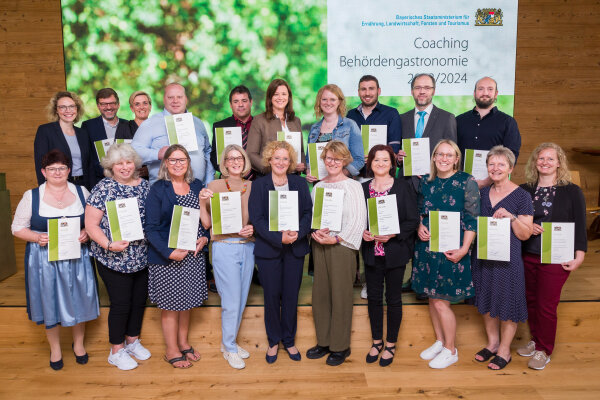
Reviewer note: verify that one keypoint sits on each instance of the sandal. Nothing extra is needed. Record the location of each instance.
(384, 362)
(499, 362)
(173, 360)
(192, 352)
(485, 355)
(377, 346)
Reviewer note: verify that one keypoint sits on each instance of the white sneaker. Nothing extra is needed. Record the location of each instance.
(137, 350)
(432, 351)
(122, 360)
(234, 360)
(444, 359)
(241, 352)
(363, 292)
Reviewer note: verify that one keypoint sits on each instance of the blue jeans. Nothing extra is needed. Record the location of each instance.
(233, 264)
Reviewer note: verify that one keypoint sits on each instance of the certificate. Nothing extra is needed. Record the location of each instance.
(417, 160)
(124, 219)
(558, 242)
(327, 209)
(372, 135)
(317, 166)
(226, 213)
(294, 139)
(493, 238)
(226, 136)
(383, 215)
(181, 130)
(128, 141)
(444, 230)
(283, 210)
(63, 239)
(475, 163)
(102, 147)
(184, 228)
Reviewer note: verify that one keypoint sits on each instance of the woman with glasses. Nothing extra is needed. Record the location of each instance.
(64, 110)
(59, 293)
(177, 277)
(280, 254)
(232, 254)
(445, 277)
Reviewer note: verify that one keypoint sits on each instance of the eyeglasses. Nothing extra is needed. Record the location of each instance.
(69, 107)
(281, 159)
(426, 88)
(173, 161)
(111, 104)
(333, 160)
(56, 169)
(235, 159)
(449, 156)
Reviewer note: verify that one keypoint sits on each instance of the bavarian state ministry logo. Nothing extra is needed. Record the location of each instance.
(488, 17)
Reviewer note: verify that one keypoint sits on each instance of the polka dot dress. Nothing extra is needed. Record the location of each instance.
(181, 285)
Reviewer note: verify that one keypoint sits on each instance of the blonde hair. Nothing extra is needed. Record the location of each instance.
(341, 110)
(118, 152)
(139, 93)
(338, 149)
(52, 112)
(433, 167)
(501, 151)
(275, 145)
(226, 151)
(563, 175)
(163, 171)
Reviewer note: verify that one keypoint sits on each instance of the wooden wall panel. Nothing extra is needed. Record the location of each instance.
(556, 93)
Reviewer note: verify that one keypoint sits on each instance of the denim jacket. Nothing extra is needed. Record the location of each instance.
(348, 133)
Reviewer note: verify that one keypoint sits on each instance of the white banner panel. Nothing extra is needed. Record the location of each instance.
(457, 41)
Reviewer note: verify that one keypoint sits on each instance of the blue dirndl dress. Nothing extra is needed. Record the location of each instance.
(58, 292)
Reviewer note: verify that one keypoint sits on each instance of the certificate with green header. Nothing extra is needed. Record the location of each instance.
(181, 130)
(124, 219)
(383, 215)
(493, 238)
(294, 139)
(317, 166)
(184, 228)
(226, 212)
(102, 147)
(417, 160)
(128, 141)
(328, 209)
(475, 163)
(63, 239)
(373, 135)
(283, 210)
(226, 136)
(558, 242)
(444, 230)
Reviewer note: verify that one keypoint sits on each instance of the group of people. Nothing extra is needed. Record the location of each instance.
(75, 182)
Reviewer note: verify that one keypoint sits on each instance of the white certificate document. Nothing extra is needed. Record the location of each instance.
(327, 209)
(558, 242)
(383, 215)
(102, 147)
(373, 135)
(493, 238)
(283, 210)
(226, 212)
(128, 141)
(226, 136)
(317, 166)
(184, 228)
(444, 230)
(124, 219)
(417, 160)
(181, 130)
(294, 139)
(63, 239)
(475, 163)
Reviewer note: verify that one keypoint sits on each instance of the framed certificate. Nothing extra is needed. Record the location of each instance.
(558, 242)
(294, 139)
(181, 130)
(124, 219)
(383, 215)
(226, 136)
(226, 212)
(417, 160)
(184, 228)
(444, 230)
(63, 239)
(372, 135)
(493, 238)
(327, 209)
(283, 210)
(475, 163)
(317, 165)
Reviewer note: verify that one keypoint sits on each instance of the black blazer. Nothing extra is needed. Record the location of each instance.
(225, 123)
(49, 137)
(399, 249)
(268, 244)
(568, 206)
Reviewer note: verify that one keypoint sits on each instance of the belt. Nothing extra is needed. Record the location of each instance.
(234, 241)
(76, 178)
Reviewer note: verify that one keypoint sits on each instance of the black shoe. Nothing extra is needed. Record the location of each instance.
(422, 296)
(317, 352)
(80, 359)
(294, 357)
(56, 365)
(377, 346)
(337, 357)
(384, 362)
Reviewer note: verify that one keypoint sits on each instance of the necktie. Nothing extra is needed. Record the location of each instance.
(420, 124)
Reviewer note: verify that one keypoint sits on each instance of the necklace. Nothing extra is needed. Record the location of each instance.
(59, 200)
(243, 181)
(277, 183)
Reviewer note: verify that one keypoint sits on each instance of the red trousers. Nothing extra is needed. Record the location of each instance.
(543, 284)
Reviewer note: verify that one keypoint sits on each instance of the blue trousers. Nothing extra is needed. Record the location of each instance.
(233, 264)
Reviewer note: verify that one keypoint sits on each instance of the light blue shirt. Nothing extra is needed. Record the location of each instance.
(151, 136)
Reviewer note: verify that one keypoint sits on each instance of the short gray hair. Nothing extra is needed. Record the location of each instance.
(501, 151)
(117, 153)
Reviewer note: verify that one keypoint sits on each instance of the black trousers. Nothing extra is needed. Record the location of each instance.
(375, 276)
(127, 294)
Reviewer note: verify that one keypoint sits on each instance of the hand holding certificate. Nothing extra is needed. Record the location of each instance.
(383, 215)
(283, 211)
(226, 212)
(327, 209)
(444, 230)
(63, 239)
(373, 135)
(124, 219)
(184, 228)
(493, 238)
(181, 130)
(558, 242)
(417, 160)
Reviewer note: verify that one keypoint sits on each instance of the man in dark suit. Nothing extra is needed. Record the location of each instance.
(106, 126)
(240, 101)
